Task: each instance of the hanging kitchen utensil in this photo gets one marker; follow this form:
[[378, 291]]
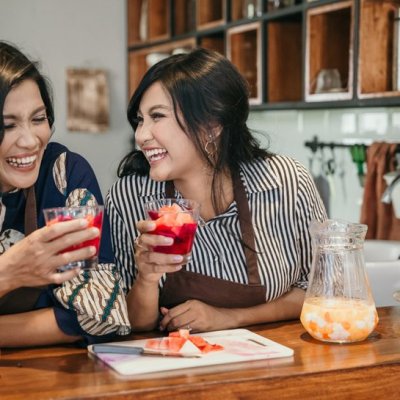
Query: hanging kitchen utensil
[[359, 157]]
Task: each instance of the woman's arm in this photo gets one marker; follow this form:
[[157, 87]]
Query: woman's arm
[[143, 299], [33, 328], [201, 317]]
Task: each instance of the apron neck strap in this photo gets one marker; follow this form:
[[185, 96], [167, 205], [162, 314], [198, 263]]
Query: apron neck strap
[[246, 225], [30, 211]]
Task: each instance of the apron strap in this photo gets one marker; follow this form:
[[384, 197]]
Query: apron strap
[[23, 299], [30, 211], [246, 226]]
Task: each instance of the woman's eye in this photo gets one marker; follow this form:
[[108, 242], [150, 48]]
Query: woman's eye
[[156, 116], [39, 119], [9, 126], [138, 120]]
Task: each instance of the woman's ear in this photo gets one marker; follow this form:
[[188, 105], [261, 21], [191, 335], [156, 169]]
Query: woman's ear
[[215, 131]]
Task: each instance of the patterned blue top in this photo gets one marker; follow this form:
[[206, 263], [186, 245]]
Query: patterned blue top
[[91, 305]]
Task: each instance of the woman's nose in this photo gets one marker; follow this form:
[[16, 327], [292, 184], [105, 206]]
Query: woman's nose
[[143, 133], [27, 136]]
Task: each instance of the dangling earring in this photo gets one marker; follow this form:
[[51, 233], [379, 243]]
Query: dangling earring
[[211, 149]]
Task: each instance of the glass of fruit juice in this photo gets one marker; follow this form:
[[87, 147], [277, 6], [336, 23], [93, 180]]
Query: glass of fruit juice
[[175, 218], [93, 214]]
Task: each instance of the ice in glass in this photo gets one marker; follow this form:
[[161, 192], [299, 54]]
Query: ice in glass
[[175, 218]]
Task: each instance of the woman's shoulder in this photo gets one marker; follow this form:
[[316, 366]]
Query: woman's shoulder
[[274, 164], [136, 185]]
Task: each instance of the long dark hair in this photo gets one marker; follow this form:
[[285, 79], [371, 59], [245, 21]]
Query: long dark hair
[[208, 91], [15, 67]]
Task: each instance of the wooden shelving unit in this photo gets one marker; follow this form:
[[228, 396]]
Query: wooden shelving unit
[[243, 48], [302, 54], [379, 49], [329, 50]]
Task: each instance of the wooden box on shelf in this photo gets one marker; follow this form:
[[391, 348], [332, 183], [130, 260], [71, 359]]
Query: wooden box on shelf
[[244, 50], [148, 20], [329, 52], [379, 56], [284, 59], [244, 9], [184, 16], [214, 41], [210, 13], [141, 60]]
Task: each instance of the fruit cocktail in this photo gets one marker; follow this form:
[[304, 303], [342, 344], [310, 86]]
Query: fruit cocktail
[[175, 218], [338, 320], [94, 216]]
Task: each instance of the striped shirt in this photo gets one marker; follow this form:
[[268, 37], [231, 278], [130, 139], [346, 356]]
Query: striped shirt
[[282, 199]]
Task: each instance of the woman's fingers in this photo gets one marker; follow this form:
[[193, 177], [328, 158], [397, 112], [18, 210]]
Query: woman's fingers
[[60, 277], [49, 233]]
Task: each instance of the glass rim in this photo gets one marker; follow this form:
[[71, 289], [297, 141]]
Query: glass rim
[[73, 208]]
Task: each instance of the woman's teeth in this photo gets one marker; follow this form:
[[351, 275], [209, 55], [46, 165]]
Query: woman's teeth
[[155, 154], [21, 162]]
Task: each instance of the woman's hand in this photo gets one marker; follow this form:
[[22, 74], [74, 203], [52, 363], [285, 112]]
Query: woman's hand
[[34, 261], [152, 265], [196, 316]]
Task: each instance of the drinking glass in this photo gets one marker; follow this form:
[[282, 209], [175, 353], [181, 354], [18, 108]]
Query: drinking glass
[[175, 218], [94, 216]]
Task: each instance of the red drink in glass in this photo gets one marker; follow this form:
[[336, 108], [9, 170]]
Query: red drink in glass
[[94, 216], [176, 219]]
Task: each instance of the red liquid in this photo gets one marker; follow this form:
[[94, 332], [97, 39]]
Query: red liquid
[[95, 221], [183, 236]]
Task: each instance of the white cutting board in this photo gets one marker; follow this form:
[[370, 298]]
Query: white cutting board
[[239, 345]]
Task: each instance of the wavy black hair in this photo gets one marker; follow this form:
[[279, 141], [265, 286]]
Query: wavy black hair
[[15, 67]]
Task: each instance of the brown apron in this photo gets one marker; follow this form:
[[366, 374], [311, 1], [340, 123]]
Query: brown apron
[[23, 299], [185, 285]]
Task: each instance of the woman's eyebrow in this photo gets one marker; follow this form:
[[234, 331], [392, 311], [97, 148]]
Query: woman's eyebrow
[[35, 111], [157, 106]]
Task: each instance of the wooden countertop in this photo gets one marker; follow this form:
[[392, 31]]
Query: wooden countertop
[[365, 370]]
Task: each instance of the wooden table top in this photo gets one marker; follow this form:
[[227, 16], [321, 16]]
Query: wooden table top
[[365, 370]]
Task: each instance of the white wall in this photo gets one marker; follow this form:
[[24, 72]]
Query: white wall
[[77, 33], [92, 33], [288, 130]]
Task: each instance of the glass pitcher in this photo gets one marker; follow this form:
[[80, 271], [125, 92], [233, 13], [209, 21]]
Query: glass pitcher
[[338, 305]]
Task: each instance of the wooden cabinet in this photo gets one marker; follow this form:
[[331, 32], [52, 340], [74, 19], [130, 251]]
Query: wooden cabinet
[[293, 53]]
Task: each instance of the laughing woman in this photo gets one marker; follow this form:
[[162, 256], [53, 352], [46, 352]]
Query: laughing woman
[[252, 251], [38, 304]]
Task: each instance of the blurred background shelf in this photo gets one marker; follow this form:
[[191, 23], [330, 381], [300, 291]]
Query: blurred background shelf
[[294, 53]]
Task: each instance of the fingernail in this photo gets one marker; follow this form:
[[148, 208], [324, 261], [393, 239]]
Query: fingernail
[[92, 250], [177, 258], [167, 240], [83, 222], [151, 226]]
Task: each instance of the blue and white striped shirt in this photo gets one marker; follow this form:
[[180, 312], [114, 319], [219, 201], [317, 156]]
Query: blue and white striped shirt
[[282, 199]]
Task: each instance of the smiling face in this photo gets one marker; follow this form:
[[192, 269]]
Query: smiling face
[[169, 151], [26, 134]]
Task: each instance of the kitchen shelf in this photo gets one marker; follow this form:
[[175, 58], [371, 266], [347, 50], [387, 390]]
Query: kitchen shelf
[[329, 50], [301, 55], [379, 49]]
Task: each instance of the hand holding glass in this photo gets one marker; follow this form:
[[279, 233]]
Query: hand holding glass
[[175, 218], [94, 216]]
